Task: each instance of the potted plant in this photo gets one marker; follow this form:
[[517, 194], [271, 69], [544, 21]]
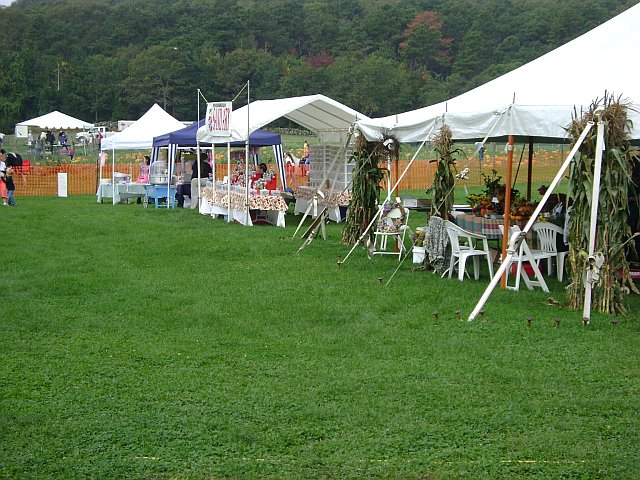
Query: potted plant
[[417, 238]]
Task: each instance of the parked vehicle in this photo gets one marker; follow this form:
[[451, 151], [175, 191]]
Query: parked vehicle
[[89, 137]]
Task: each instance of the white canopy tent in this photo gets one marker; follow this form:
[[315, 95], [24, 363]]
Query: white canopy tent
[[139, 135], [330, 120], [55, 121], [537, 99], [327, 118]]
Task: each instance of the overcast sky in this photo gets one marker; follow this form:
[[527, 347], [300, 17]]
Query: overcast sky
[[6, 2]]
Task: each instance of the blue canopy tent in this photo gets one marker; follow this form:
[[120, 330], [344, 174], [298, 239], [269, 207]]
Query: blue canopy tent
[[186, 137]]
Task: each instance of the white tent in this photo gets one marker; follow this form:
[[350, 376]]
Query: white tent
[[139, 135], [537, 99], [55, 121], [328, 119]]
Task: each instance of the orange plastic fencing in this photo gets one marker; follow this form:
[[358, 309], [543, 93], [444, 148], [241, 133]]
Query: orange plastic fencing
[[83, 179]]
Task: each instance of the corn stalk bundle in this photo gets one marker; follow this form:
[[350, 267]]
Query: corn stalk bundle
[[444, 177], [365, 187], [613, 231]]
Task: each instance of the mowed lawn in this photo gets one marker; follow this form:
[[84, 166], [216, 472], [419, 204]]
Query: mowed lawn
[[162, 344]]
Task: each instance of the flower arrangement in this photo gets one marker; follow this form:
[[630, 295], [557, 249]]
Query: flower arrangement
[[418, 237], [238, 176], [491, 200], [388, 224]]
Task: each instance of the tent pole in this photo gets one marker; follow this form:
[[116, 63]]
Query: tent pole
[[530, 169], [554, 184], [229, 182], [246, 163], [507, 206], [595, 199], [113, 176]]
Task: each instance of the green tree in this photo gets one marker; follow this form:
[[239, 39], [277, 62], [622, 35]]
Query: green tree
[[155, 75]]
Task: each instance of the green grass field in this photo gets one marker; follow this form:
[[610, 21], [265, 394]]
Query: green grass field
[[162, 344]]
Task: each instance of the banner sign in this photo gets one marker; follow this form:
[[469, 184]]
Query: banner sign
[[219, 118]]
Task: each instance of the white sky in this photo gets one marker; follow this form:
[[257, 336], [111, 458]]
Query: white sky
[[6, 2]]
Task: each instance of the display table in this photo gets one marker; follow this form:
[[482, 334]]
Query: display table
[[159, 191], [269, 203], [489, 227], [333, 201], [123, 191]]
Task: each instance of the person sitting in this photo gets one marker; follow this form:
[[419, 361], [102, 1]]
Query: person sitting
[[306, 153], [199, 177], [291, 163], [143, 176]]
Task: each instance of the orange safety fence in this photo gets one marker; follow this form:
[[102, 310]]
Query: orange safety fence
[[82, 179]]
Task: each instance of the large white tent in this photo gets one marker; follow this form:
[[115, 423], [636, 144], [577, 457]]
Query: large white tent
[[139, 135], [327, 118], [55, 121], [537, 99]]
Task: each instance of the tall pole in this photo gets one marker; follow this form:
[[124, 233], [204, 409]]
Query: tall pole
[[246, 160], [595, 199], [530, 169], [507, 206]]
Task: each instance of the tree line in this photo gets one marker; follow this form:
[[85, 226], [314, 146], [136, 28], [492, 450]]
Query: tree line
[[103, 60]]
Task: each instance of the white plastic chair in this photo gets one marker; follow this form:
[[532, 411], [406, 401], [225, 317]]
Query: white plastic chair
[[548, 234], [464, 247], [387, 229]]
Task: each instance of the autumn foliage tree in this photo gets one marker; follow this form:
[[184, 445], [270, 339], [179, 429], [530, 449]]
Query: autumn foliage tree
[[424, 46]]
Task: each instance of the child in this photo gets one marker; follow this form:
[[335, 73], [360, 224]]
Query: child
[[72, 150], [8, 180], [3, 167]]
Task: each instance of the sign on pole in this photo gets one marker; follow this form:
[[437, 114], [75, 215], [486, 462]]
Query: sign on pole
[[219, 118]]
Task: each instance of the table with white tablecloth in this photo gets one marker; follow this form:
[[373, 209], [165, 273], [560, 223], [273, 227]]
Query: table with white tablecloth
[[266, 205], [332, 200], [123, 191]]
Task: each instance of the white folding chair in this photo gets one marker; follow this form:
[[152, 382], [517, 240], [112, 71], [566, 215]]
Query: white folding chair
[[548, 235], [392, 225], [465, 245], [526, 254]]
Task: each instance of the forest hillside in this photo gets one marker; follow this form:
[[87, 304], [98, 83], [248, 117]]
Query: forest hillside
[[103, 60]]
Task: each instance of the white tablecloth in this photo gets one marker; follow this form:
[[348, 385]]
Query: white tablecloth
[[272, 208], [122, 191], [333, 202]]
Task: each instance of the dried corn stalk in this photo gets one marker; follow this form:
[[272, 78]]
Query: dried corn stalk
[[365, 187], [613, 231]]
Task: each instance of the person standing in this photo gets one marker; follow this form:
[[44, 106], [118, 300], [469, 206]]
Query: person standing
[[10, 186], [3, 185], [204, 172]]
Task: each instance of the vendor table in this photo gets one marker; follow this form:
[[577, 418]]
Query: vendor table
[[161, 191], [489, 227], [268, 202], [123, 191], [333, 201]]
